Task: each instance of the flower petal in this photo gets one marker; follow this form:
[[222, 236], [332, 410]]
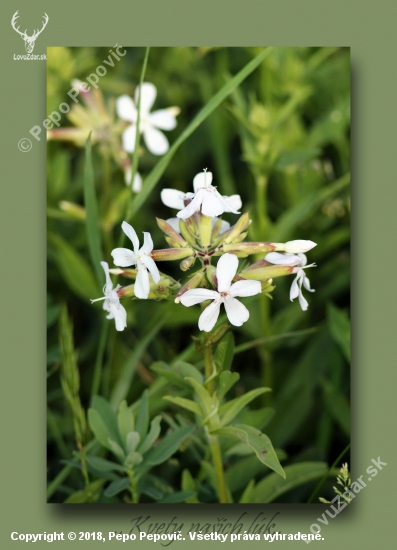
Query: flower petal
[[155, 140], [235, 200], [152, 267], [120, 316], [163, 119], [245, 288], [295, 289], [123, 257], [226, 269], [303, 302], [228, 205], [197, 295], [126, 109], [173, 198], [142, 284], [209, 317], [149, 93], [128, 138], [283, 259], [109, 285], [203, 179], [137, 184], [147, 246], [193, 206], [306, 284], [299, 246], [211, 205], [236, 312], [131, 234], [174, 223]]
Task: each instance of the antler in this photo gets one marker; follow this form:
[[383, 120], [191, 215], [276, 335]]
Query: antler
[[36, 33], [13, 23]]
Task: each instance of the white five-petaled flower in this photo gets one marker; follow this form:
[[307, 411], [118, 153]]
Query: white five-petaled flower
[[112, 301], [236, 312], [123, 257], [150, 124], [300, 261], [205, 196]]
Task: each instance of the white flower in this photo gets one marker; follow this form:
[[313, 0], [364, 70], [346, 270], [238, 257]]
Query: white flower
[[123, 257], [205, 196], [149, 123], [236, 312], [174, 223], [112, 301], [137, 184], [300, 262]]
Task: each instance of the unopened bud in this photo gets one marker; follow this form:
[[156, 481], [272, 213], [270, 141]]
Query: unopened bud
[[242, 250], [186, 232], [168, 254], [187, 263], [170, 231], [216, 227], [193, 282], [295, 247], [261, 271], [241, 225], [205, 228], [210, 272], [129, 273]]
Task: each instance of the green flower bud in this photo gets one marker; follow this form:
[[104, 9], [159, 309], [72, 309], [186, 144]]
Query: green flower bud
[[205, 228], [263, 270], [242, 250], [233, 233], [128, 273], [187, 263], [193, 282], [174, 236], [186, 232], [168, 254]]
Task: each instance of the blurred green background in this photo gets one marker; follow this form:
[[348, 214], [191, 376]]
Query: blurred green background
[[280, 140]]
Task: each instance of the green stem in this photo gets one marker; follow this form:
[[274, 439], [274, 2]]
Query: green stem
[[96, 379], [322, 480], [84, 470], [133, 489], [208, 362]]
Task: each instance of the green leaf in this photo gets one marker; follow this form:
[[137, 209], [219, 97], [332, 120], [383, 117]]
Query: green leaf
[[231, 409], [212, 104], [258, 418], [272, 486], [117, 486], [186, 369], [207, 403], [339, 326], [188, 404], [132, 441], [74, 269], [189, 484], [99, 428], [151, 437], [227, 380], [103, 465], [293, 157], [258, 441], [239, 474], [248, 494], [142, 423], [116, 449], [81, 497], [177, 373], [223, 356], [92, 219], [168, 446], [108, 415], [125, 421], [133, 459]]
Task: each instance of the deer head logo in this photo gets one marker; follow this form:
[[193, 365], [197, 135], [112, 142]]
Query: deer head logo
[[29, 40]]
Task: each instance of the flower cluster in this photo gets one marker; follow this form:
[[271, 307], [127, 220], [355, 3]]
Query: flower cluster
[[199, 234], [98, 119]]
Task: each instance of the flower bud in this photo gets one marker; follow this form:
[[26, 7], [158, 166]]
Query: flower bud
[[193, 282], [216, 227], [168, 254], [242, 250], [129, 273], [295, 247], [241, 225], [262, 271], [187, 263], [186, 232], [210, 272], [205, 228], [170, 231]]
